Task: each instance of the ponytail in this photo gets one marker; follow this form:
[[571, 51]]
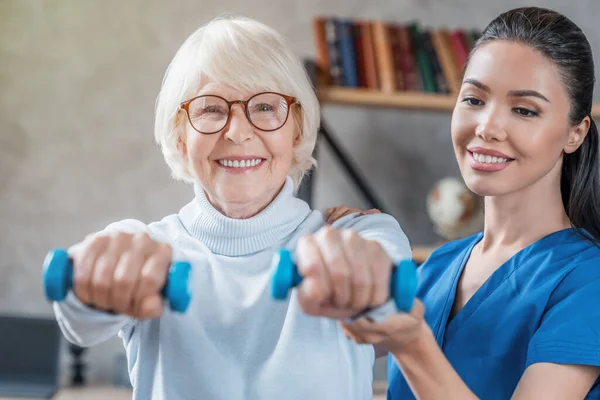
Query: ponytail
[[580, 186]]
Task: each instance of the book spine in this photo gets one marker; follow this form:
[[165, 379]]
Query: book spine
[[347, 53]]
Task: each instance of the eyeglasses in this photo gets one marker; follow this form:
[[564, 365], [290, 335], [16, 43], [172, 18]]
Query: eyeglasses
[[266, 111]]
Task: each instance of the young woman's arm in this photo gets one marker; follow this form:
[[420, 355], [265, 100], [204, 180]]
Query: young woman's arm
[[556, 381], [410, 341], [428, 372]]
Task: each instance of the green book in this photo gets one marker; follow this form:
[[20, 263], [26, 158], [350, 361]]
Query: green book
[[423, 63]]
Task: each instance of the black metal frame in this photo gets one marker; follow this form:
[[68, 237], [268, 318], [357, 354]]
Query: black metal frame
[[305, 191]]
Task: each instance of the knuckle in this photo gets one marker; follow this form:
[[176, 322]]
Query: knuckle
[[339, 275], [311, 267], [302, 242], [337, 261], [100, 284], [374, 246], [329, 233], [151, 279], [164, 250], [361, 281], [307, 305], [81, 281], [124, 282], [348, 235], [96, 241], [119, 236], [379, 296], [142, 239], [352, 238]]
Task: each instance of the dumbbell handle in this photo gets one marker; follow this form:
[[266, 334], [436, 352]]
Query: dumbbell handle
[[403, 280], [58, 280]]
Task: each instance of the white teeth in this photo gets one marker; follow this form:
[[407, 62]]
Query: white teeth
[[489, 159], [240, 163]]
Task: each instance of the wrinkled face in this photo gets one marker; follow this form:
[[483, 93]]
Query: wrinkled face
[[240, 164], [510, 125]]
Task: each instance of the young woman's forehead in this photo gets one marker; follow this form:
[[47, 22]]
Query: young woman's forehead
[[513, 66]]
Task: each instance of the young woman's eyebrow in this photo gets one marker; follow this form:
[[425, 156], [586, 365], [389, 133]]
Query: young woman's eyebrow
[[512, 93]]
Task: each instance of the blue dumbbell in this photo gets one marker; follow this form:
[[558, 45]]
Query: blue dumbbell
[[403, 282], [58, 280]]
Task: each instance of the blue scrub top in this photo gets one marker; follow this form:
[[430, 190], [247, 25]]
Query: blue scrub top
[[542, 305]]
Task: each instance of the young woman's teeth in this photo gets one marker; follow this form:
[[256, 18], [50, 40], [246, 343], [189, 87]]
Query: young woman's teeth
[[240, 163], [489, 159]]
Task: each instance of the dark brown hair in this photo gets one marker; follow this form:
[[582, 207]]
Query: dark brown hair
[[561, 41]]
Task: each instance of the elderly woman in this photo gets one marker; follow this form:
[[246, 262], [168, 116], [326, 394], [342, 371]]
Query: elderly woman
[[237, 118]]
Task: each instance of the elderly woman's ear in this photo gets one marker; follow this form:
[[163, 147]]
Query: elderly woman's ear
[[181, 147], [298, 121]]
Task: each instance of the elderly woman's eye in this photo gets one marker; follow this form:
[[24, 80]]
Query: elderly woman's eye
[[264, 107], [213, 110], [208, 112]]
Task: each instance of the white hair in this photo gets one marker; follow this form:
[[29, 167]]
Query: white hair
[[249, 56]]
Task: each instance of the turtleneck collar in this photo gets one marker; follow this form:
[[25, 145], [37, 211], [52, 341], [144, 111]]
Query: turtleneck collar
[[237, 237]]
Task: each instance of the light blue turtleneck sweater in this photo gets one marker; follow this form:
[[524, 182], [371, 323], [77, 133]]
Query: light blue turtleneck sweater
[[236, 342]]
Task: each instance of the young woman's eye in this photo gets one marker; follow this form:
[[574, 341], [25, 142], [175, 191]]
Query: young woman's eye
[[472, 101], [524, 112]]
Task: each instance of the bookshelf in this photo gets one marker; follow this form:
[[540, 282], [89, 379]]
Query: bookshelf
[[406, 100]]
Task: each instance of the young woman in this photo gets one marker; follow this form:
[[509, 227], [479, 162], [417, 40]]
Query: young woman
[[513, 311]]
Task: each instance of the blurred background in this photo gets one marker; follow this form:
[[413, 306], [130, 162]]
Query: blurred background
[[78, 82]]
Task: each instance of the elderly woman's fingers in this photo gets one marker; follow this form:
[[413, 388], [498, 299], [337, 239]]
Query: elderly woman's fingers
[[151, 307], [125, 283], [330, 244], [362, 275], [85, 256], [102, 276], [381, 266], [153, 274], [315, 289]]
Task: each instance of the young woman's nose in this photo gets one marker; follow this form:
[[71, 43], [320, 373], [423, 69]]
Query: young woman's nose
[[490, 126]]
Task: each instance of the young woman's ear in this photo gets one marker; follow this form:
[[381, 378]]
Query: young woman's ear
[[577, 135]]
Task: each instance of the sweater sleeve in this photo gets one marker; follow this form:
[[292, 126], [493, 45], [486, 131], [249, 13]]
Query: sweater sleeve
[[86, 326], [382, 228]]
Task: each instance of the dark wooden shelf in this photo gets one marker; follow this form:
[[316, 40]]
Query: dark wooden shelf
[[407, 100]]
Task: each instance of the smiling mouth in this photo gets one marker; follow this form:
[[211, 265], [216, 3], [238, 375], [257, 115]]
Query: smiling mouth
[[241, 163], [489, 159]]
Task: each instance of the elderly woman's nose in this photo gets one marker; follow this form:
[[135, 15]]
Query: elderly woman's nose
[[239, 128]]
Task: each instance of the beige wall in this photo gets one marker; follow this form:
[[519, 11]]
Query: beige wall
[[78, 81]]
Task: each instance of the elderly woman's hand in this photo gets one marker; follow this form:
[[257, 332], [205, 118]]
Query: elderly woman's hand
[[332, 214], [343, 274], [121, 272], [392, 335]]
